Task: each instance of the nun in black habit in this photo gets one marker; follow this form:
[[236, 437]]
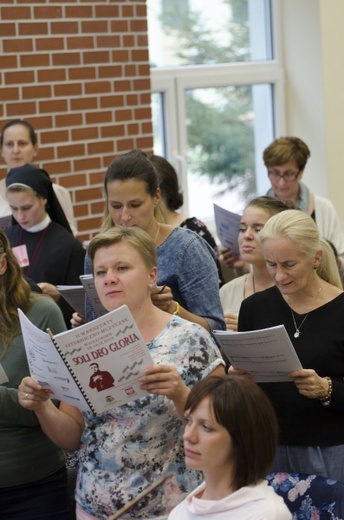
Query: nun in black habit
[[40, 236]]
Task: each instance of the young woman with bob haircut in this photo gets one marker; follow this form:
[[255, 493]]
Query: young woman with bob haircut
[[231, 436]]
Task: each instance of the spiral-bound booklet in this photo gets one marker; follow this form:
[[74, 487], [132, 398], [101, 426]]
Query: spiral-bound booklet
[[95, 366]]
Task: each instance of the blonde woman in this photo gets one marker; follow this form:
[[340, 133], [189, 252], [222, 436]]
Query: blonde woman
[[126, 449], [307, 297]]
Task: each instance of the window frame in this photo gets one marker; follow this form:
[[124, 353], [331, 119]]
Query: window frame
[[171, 83]]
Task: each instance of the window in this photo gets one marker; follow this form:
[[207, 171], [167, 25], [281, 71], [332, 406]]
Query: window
[[218, 90]]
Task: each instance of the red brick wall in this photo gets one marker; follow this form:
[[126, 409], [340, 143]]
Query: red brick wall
[[79, 73]]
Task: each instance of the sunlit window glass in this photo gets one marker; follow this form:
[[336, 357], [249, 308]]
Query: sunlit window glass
[[213, 77], [222, 130], [193, 32]]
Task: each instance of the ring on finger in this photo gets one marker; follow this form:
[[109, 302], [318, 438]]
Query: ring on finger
[[26, 396]]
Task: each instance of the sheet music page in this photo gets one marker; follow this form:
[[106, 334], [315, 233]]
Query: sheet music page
[[267, 354], [47, 367]]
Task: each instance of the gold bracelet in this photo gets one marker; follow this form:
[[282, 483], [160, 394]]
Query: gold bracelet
[[325, 401], [177, 311]]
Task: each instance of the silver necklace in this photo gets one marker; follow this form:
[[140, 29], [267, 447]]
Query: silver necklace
[[297, 328]]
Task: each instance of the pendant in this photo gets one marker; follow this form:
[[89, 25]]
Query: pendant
[[297, 334]]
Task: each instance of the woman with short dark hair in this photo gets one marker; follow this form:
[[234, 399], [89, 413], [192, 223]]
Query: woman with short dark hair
[[231, 436], [285, 159]]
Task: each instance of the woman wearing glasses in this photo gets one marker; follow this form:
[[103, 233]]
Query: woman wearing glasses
[[285, 159]]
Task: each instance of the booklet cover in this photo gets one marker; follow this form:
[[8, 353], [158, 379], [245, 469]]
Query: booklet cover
[[94, 367], [267, 354]]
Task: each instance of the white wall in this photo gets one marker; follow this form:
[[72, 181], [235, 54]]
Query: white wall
[[301, 50], [312, 43], [332, 37]]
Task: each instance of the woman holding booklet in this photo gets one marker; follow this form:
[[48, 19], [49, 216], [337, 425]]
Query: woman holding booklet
[[33, 481], [128, 448], [308, 299], [254, 217], [187, 282]]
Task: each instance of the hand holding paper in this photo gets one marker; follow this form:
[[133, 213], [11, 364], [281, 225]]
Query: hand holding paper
[[267, 354]]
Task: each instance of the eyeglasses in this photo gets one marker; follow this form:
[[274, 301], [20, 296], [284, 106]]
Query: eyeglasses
[[287, 176]]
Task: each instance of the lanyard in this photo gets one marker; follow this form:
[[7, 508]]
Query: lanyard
[[39, 243]]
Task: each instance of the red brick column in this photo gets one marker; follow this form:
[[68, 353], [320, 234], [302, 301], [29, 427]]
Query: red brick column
[[79, 73]]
